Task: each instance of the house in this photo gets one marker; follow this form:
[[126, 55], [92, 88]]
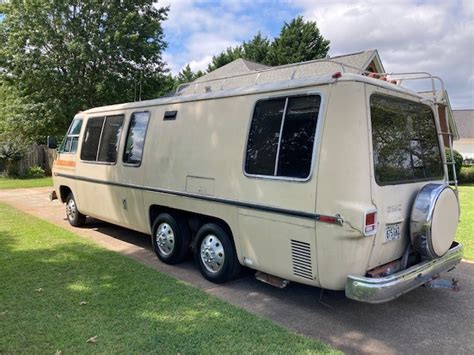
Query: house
[[465, 124], [241, 73]]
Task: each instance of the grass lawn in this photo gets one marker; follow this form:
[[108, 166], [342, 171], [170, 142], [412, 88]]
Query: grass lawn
[[58, 290], [465, 233], [6, 183]]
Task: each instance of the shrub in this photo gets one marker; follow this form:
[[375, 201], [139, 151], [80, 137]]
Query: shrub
[[467, 175], [458, 159], [35, 172]]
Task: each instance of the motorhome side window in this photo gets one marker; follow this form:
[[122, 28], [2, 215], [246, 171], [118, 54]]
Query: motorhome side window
[[281, 137], [72, 137], [101, 139], [405, 141], [136, 138]]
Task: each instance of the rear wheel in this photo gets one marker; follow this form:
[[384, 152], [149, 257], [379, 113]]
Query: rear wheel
[[171, 238], [215, 254], [73, 215]]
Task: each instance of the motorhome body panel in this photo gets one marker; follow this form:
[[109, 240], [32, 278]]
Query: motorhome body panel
[[343, 186], [394, 200], [196, 161]]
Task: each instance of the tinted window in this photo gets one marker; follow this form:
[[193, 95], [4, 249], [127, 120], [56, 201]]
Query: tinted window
[[405, 141], [136, 138], [289, 155], [110, 138], [91, 138], [263, 138], [69, 144], [296, 148]]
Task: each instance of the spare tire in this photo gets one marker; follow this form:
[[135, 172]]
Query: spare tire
[[434, 218]]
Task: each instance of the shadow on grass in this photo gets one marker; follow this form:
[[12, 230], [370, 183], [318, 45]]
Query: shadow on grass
[[56, 294]]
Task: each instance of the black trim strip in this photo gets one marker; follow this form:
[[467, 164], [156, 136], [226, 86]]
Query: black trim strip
[[293, 213]]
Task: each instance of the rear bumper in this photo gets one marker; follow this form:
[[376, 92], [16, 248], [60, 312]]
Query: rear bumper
[[378, 290]]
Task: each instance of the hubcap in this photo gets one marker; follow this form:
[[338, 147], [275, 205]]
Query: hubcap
[[165, 239], [212, 253], [71, 209]]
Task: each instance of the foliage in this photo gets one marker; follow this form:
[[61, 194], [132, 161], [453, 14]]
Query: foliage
[[466, 175], [458, 159], [59, 290], [298, 41], [35, 172], [58, 58], [465, 229], [187, 75]]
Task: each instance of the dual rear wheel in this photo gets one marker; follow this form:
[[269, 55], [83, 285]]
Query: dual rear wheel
[[214, 251]]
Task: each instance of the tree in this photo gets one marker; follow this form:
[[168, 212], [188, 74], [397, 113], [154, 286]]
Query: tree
[[299, 41], [186, 75], [229, 55], [61, 57], [257, 49]]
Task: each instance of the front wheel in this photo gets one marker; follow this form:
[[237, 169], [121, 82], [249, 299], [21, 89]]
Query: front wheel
[[75, 218], [215, 254]]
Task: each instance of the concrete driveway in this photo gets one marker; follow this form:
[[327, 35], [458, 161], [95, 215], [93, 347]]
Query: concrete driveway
[[422, 321]]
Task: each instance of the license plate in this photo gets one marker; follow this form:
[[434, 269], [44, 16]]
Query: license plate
[[392, 232]]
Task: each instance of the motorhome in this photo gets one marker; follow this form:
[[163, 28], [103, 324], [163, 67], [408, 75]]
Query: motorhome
[[338, 181]]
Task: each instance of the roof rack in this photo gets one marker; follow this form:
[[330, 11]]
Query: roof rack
[[399, 77]]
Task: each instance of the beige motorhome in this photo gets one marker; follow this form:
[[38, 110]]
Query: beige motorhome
[[337, 181]]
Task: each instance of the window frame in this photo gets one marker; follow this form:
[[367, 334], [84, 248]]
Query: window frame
[[404, 181], [72, 136], [132, 165], [317, 134], [100, 141]]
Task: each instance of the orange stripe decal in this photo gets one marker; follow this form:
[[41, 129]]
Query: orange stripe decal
[[65, 163]]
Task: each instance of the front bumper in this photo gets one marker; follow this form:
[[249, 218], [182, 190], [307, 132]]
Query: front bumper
[[383, 289]]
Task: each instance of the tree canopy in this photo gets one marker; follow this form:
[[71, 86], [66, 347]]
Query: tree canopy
[[61, 57], [298, 41]]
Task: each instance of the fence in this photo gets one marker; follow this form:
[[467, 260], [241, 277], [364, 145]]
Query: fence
[[36, 155]]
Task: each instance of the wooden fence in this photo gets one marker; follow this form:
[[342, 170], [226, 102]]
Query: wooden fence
[[36, 155]]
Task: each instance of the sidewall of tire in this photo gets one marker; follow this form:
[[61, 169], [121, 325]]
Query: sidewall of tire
[[182, 238], [231, 266], [79, 218]]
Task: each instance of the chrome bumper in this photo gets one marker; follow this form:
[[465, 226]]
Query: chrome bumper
[[378, 290]]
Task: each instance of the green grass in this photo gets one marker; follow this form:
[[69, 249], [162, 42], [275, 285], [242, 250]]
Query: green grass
[[7, 183], [465, 233], [46, 272]]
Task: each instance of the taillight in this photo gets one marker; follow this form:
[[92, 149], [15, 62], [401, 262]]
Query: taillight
[[370, 223]]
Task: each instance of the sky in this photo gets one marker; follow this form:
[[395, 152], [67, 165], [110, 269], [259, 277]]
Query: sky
[[410, 35]]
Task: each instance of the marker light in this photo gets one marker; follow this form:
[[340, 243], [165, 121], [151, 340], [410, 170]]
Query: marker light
[[370, 225]]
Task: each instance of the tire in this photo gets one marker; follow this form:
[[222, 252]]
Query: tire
[[171, 238], [215, 254], [75, 218]]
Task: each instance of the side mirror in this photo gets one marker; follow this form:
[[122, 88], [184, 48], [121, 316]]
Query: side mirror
[[52, 142]]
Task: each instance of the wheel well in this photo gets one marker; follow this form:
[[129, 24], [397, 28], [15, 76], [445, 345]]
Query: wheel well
[[63, 192], [194, 220]]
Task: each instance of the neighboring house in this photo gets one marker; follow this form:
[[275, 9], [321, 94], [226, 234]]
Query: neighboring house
[[241, 73], [465, 123]]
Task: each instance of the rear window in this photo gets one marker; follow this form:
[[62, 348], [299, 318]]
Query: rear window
[[405, 141]]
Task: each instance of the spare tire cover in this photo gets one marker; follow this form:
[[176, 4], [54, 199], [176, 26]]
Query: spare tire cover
[[434, 218]]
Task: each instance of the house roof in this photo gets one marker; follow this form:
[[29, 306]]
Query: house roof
[[242, 72], [465, 122]]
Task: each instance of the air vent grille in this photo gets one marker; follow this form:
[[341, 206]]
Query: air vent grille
[[301, 258]]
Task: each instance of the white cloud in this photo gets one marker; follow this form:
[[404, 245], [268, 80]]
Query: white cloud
[[411, 36], [204, 29]]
